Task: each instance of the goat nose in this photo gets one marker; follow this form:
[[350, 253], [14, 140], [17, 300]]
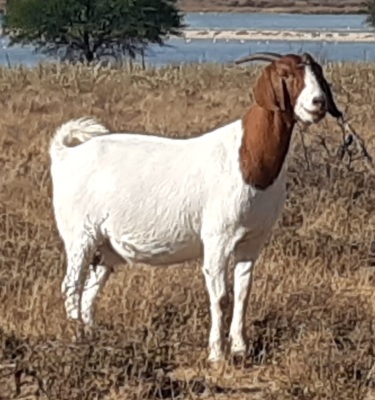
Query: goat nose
[[319, 101]]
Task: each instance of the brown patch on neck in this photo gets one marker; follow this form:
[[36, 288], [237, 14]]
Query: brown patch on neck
[[265, 144]]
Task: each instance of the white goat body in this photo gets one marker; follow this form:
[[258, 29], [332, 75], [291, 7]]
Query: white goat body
[[154, 199], [157, 200]]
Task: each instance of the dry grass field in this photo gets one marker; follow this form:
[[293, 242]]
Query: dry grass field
[[312, 305]]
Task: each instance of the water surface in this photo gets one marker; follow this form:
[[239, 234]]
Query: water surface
[[178, 51], [275, 21]]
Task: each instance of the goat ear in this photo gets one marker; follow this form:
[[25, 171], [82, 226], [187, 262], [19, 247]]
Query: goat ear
[[270, 90], [331, 105]]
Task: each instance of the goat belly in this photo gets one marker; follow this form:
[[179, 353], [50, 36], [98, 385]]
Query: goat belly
[[153, 248], [159, 228]]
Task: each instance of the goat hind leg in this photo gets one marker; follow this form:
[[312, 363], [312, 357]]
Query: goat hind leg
[[78, 257], [97, 277]]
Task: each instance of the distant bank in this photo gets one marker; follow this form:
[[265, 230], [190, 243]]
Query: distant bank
[[274, 6], [266, 6], [279, 35]]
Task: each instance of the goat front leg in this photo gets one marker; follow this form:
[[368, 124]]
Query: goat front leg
[[242, 287], [214, 269], [96, 279]]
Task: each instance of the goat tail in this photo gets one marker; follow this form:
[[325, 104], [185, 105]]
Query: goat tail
[[76, 132]]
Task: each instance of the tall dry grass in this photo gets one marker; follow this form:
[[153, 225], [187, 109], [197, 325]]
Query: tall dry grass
[[311, 308]]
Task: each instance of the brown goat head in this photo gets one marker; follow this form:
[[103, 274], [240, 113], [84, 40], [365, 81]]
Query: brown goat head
[[293, 83]]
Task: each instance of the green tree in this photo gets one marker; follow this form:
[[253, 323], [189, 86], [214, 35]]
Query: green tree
[[90, 29], [368, 8]]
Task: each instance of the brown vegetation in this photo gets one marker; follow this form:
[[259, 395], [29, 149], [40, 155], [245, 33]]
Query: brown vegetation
[[285, 6], [312, 305]]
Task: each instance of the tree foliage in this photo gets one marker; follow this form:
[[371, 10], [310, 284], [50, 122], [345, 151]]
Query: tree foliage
[[368, 8], [90, 29]]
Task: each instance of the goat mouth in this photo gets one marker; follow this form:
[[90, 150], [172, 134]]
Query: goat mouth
[[316, 114]]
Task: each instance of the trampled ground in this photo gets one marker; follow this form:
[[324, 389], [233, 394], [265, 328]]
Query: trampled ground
[[312, 305]]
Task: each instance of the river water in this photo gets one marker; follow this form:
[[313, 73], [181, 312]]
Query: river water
[[275, 21], [178, 51]]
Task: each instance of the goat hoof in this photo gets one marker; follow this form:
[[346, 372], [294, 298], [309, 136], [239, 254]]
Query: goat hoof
[[87, 320], [238, 347], [73, 315], [216, 366], [215, 357]]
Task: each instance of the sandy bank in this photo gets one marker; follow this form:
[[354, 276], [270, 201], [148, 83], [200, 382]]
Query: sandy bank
[[337, 36]]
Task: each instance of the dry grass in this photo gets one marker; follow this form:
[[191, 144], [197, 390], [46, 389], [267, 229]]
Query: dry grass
[[311, 308]]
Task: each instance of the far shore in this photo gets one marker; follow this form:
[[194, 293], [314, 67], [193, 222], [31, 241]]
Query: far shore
[[278, 35], [278, 10], [300, 7], [274, 6], [269, 10]]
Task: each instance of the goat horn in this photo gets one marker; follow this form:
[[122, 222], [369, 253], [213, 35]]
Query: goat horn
[[264, 56]]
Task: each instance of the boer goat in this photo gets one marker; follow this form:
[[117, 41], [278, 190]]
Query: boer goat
[[143, 198]]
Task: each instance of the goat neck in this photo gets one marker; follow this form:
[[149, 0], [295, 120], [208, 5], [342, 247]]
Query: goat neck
[[265, 144]]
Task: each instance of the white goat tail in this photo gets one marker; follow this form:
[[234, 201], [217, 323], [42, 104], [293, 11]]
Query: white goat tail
[[76, 132]]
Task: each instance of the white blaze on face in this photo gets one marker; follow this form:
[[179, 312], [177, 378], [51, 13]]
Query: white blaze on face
[[307, 107]]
